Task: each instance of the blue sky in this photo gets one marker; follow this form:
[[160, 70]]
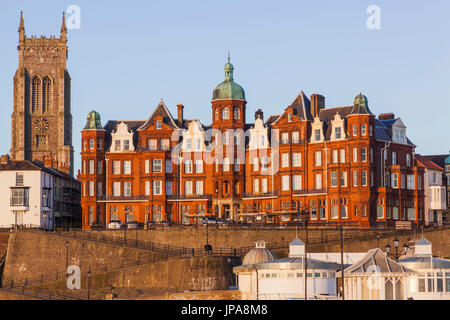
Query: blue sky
[[129, 54]]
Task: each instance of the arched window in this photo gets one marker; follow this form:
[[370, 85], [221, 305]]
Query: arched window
[[114, 216], [236, 113], [129, 217], [36, 94], [226, 186], [226, 113], [46, 94], [216, 116]]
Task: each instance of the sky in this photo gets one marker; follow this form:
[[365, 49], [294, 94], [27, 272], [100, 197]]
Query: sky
[[127, 55]]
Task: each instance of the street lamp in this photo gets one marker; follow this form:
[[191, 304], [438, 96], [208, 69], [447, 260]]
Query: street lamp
[[405, 248], [67, 255], [89, 284], [396, 248], [388, 248]]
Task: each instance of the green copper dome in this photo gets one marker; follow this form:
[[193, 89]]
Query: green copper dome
[[228, 89], [447, 160], [360, 105], [93, 121]]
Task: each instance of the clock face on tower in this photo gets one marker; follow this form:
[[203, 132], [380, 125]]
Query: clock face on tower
[[41, 124]]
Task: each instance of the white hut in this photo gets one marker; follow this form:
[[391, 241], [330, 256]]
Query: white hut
[[376, 277], [432, 281], [285, 278]]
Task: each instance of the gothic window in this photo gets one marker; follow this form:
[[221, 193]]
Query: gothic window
[[36, 94], [41, 141], [46, 94], [236, 113], [226, 113]]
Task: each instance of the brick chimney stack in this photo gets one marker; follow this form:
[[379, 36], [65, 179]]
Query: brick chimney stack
[[386, 116], [317, 104], [48, 161], [180, 114], [4, 159]]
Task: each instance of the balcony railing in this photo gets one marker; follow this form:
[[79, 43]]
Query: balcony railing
[[19, 202], [155, 148], [296, 141], [125, 198], [260, 195], [189, 197], [309, 191]]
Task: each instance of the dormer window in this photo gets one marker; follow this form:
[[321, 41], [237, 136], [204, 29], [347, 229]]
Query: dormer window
[[226, 113], [338, 133], [289, 116], [122, 139], [126, 145], [158, 124], [317, 134]]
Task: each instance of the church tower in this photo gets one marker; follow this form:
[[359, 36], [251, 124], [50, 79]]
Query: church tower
[[41, 123]]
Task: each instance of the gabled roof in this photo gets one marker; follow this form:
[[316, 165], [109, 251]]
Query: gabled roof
[[132, 125], [20, 165], [25, 165], [427, 163], [423, 242], [438, 159], [297, 242], [328, 114], [272, 119], [376, 261], [302, 106], [162, 111]]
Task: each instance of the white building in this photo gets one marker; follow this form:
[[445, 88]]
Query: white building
[[263, 277], [435, 191], [376, 277], [432, 281], [27, 195]]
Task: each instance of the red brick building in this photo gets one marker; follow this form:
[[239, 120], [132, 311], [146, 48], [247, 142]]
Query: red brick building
[[338, 164]]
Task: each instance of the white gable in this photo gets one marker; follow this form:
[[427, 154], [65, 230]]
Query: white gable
[[122, 139]]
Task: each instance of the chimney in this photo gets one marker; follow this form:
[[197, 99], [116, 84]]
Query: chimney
[[4, 159], [259, 114], [180, 114], [317, 104], [48, 161], [386, 116]]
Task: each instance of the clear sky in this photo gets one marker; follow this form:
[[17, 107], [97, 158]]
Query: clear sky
[[127, 55]]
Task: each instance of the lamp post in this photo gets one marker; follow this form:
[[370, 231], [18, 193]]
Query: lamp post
[[67, 255], [396, 248], [89, 284], [405, 248], [396, 242], [44, 218]]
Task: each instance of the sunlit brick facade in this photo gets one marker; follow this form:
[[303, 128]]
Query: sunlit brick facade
[[325, 164]]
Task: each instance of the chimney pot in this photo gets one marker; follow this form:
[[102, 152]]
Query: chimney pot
[[180, 114]]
